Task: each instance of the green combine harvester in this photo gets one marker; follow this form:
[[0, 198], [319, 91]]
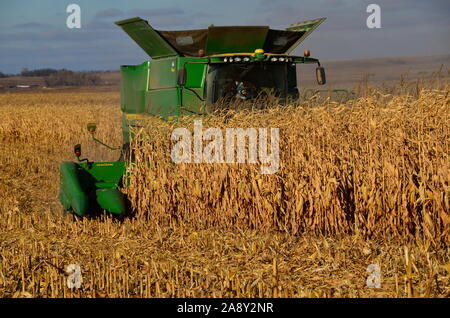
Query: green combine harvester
[[189, 72]]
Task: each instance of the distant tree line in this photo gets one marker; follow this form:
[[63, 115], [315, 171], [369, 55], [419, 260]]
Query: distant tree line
[[38, 72], [70, 78], [2, 75], [62, 77], [53, 77]]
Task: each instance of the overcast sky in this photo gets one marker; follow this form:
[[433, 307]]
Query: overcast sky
[[34, 34]]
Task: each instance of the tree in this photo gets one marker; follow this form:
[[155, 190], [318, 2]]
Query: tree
[[24, 71]]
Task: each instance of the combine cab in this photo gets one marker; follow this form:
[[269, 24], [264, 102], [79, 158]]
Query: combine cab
[[190, 72]]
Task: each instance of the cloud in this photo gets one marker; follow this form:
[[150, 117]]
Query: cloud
[[202, 19], [171, 22], [156, 12], [100, 25], [32, 25], [416, 5], [109, 13], [203, 14], [168, 18], [56, 37]]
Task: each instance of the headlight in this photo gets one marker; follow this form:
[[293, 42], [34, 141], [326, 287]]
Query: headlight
[[237, 59], [274, 59], [225, 59], [246, 59]]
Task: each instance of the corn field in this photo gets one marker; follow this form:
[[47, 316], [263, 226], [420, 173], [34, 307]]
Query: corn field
[[363, 182], [377, 166]]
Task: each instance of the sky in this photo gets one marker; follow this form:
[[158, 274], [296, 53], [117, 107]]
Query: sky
[[34, 34]]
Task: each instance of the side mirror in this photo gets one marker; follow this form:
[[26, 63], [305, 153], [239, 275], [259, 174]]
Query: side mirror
[[91, 127], [182, 75], [77, 150], [320, 75]]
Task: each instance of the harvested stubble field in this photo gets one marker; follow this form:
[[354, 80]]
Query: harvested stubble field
[[366, 182]]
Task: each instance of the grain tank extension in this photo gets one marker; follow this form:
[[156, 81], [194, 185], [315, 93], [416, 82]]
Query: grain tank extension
[[189, 73]]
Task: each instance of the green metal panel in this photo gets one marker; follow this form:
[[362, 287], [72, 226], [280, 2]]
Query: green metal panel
[[134, 83], [242, 39], [162, 97], [106, 174], [79, 183], [163, 73], [64, 199], [163, 103], [193, 93], [305, 26], [72, 191], [196, 72], [147, 38], [191, 103], [111, 200]]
